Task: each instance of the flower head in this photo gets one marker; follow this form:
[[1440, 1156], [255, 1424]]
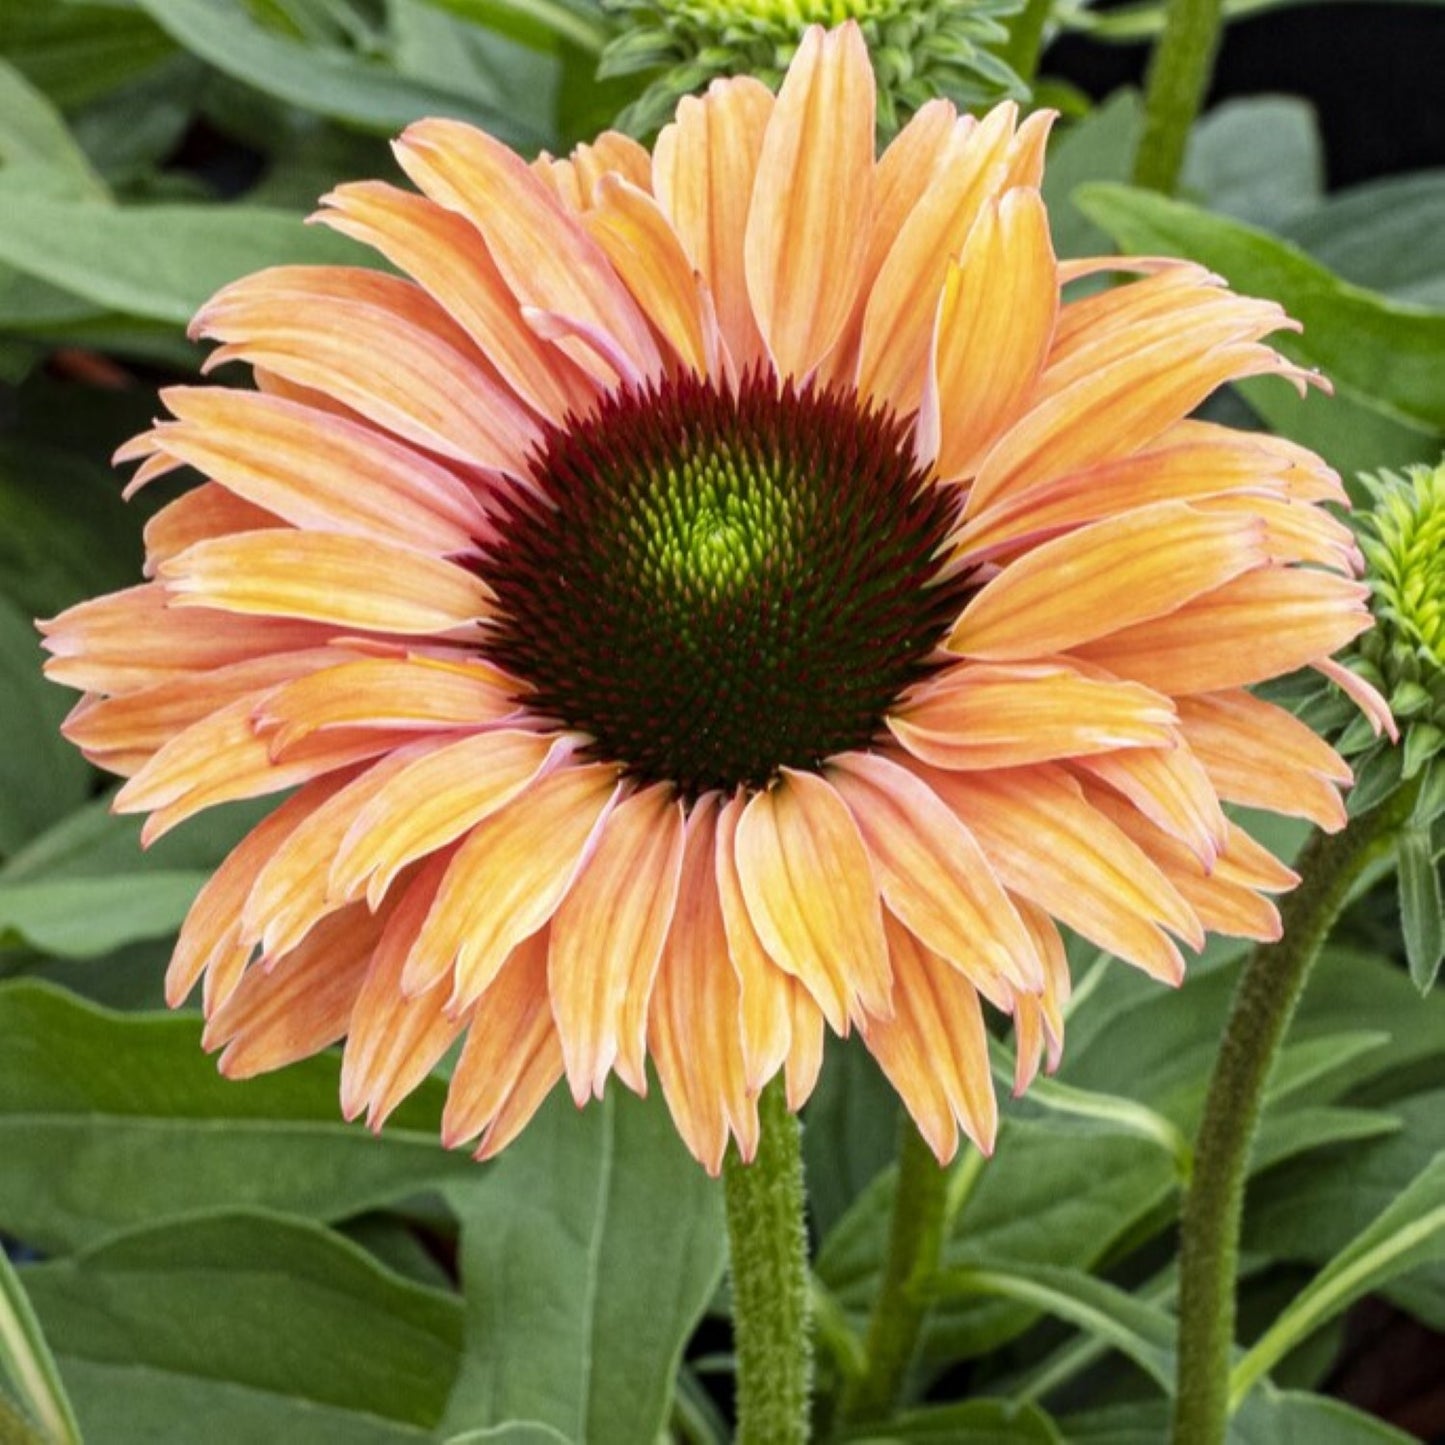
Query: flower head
[[718, 594]]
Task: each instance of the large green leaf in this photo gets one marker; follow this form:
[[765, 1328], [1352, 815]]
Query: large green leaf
[[33, 131], [1098, 148], [1259, 160], [160, 262], [278, 1314], [979, 1422], [1422, 905], [331, 82], [1377, 349], [588, 1255], [109, 1120]]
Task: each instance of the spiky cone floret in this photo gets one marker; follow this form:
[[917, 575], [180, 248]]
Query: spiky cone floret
[[715, 596]]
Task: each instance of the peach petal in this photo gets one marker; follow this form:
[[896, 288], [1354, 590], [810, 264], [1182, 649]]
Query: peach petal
[[807, 231], [432, 802], [324, 577], [805, 1052], [1364, 695], [575, 180], [546, 258], [1258, 626], [1007, 715], [1105, 577], [694, 1029], [934, 1049], [440, 250], [1050, 1004], [503, 884], [207, 511], [810, 892], [934, 877], [607, 940]]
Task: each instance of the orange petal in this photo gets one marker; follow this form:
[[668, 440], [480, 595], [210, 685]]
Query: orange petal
[[767, 992], [934, 1049], [934, 877], [1296, 532], [546, 258], [1261, 625], [325, 577], [576, 179], [508, 879], [607, 940], [511, 1057], [703, 169], [1365, 696], [1049, 1005], [382, 347], [805, 1052], [1047, 844], [433, 801], [646, 253], [318, 471], [195, 516], [394, 1040], [810, 892], [694, 1029], [1262, 756], [807, 231], [1102, 578], [992, 330], [995, 715], [440, 250]]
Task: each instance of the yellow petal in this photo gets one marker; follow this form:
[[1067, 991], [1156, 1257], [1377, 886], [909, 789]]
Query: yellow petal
[[934, 877], [811, 895], [195, 516], [805, 1052], [807, 230], [607, 939], [324, 577], [1105, 577]]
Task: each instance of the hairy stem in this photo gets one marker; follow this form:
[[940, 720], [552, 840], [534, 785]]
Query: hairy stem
[[1179, 71]]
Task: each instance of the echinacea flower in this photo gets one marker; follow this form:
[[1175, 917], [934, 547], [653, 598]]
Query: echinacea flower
[[722, 592]]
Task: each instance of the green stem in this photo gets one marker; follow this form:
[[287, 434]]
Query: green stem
[[1026, 39], [1174, 90], [915, 1246], [1264, 1002], [772, 1324]]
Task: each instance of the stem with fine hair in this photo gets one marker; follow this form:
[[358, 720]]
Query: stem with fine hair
[[768, 1240], [1264, 1002], [1179, 71], [915, 1245]]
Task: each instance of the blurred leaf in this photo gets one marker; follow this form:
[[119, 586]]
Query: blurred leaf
[[31, 129], [65, 533], [1143, 1332], [1388, 235], [26, 1360], [1259, 160], [1376, 349], [330, 82], [979, 1422], [589, 1252], [89, 917], [1098, 148], [42, 777], [1422, 906], [109, 1120], [75, 52], [541, 24], [282, 1308], [133, 128], [1286, 1134], [514, 1432], [158, 261], [1144, 19], [1410, 1232]]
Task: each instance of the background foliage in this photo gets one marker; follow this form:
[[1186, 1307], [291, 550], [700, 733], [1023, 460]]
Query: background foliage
[[193, 1249]]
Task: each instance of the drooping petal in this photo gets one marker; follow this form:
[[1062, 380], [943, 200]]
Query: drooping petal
[[810, 892], [934, 1049], [607, 940], [807, 231], [207, 511]]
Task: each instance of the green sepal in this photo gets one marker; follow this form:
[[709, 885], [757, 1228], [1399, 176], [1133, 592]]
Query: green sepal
[[1422, 742], [1377, 775], [1422, 906], [1431, 802]]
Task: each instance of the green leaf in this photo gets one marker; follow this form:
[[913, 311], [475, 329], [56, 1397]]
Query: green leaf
[[159, 262], [588, 1254], [280, 1306], [32, 130], [1098, 148], [1408, 1233], [1388, 235], [1259, 160], [1374, 348], [90, 917], [514, 1432], [330, 82], [42, 777], [1286, 1134], [539, 23], [26, 1360], [1422, 906], [146, 1128], [979, 1422], [1143, 1332]]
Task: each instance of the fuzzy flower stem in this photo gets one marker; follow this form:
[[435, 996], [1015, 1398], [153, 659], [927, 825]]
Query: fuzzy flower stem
[[915, 1245], [1178, 78], [1264, 1002], [772, 1321]]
